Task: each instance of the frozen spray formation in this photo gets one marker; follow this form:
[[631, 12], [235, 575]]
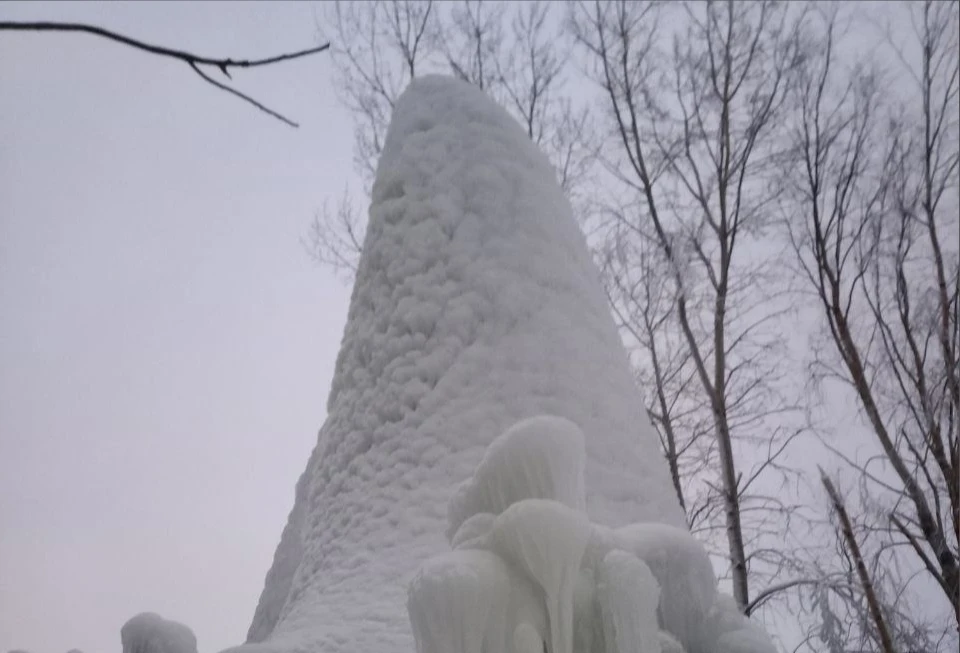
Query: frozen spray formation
[[532, 574], [476, 307]]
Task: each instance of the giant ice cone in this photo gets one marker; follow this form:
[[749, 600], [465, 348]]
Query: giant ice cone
[[476, 305]]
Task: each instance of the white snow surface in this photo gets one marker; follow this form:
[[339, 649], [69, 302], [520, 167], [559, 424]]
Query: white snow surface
[[148, 632], [476, 305]]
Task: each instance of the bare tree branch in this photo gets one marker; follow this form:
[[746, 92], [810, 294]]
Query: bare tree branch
[[886, 641], [193, 60]]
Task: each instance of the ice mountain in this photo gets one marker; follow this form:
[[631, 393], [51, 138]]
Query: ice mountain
[[476, 306]]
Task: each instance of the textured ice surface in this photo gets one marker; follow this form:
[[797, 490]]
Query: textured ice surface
[[681, 566], [453, 598], [474, 532], [688, 584], [537, 458], [476, 305], [527, 640], [726, 630], [669, 643], [474, 602], [628, 595], [546, 540], [150, 633]]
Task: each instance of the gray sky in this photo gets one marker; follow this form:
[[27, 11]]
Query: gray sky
[[166, 346]]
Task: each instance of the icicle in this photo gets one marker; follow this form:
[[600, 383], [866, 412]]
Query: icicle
[[472, 601], [628, 595], [451, 599], [546, 540], [587, 620]]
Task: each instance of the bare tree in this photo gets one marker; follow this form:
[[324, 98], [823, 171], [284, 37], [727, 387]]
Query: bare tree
[[334, 239], [637, 282], [194, 61], [856, 596], [863, 575], [513, 51], [378, 47], [693, 120], [472, 41], [875, 227], [531, 73]]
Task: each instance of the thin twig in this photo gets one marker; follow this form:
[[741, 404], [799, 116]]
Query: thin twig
[[240, 95], [191, 59]]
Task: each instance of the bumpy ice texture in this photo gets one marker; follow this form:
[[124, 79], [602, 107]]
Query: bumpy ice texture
[[150, 633], [476, 305], [642, 588]]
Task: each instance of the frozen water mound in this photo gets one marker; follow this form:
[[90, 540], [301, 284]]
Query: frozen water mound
[[476, 306], [150, 633], [530, 573]]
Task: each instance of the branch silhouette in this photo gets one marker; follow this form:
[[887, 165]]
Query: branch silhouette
[[193, 60]]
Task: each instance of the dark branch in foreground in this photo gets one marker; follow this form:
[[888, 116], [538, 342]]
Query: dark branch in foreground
[[192, 60]]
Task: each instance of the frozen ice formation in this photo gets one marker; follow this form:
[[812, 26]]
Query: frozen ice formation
[[476, 306], [725, 630], [688, 586], [628, 596], [472, 601], [586, 588], [150, 633], [546, 454], [545, 540]]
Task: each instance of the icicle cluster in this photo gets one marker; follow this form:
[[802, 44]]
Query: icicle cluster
[[528, 572]]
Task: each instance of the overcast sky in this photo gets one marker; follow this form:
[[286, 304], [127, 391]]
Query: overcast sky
[[166, 345]]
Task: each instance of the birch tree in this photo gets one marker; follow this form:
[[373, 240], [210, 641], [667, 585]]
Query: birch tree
[[875, 229], [692, 114]]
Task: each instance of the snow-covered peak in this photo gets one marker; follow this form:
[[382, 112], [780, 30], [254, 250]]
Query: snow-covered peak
[[476, 306]]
